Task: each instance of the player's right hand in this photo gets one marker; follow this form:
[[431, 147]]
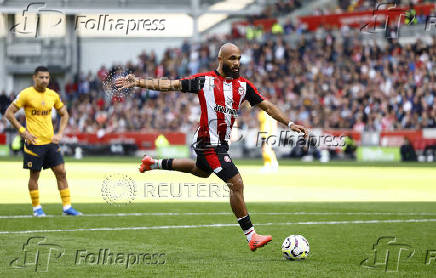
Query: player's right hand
[[126, 82], [300, 129], [28, 138]]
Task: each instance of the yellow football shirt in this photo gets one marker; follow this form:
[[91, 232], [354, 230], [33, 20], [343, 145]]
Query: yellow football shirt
[[267, 123], [38, 107]]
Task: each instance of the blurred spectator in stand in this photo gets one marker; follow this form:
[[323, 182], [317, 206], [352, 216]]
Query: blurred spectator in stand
[[4, 102], [71, 89], [407, 151]]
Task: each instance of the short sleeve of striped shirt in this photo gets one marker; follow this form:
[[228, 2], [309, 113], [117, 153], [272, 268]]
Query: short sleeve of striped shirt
[[252, 95], [192, 84]]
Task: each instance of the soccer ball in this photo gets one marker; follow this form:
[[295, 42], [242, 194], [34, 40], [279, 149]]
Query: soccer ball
[[295, 247]]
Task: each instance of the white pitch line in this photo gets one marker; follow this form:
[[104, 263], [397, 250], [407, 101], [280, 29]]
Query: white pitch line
[[222, 225], [225, 213]]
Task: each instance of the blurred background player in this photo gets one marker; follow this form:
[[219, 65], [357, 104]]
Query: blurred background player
[[267, 127], [41, 149]]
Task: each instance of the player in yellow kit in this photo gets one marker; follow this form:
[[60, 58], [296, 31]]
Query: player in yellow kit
[[41, 149], [268, 127]]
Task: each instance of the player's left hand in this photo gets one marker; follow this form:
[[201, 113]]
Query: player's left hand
[[126, 82], [300, 129], [56, 138]]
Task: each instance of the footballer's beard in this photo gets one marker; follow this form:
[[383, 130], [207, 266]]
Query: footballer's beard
[[41, 87], [229, 72]]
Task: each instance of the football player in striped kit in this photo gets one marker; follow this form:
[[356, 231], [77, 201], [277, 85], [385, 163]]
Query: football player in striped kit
[[220, 94]]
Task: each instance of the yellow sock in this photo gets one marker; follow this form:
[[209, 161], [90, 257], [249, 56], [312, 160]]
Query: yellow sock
[[65, 196], [266, 154], [34, 195]]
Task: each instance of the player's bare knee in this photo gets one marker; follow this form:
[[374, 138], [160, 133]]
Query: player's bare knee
[[34, 175], [236, 184], [61, 174], [33, 180]]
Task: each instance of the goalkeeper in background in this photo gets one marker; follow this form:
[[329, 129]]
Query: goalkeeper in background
[[268, 127]]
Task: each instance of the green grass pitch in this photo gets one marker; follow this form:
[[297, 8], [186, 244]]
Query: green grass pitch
[[342, 209]]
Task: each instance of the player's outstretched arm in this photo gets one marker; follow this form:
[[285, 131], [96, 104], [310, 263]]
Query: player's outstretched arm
[[279, 116], [10, 115], [157, 84]]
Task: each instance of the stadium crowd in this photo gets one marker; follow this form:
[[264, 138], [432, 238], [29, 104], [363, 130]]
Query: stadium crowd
[[326, 81], [319, 83]]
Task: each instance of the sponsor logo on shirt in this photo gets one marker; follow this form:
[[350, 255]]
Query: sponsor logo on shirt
[[41, 112], [226, 110]]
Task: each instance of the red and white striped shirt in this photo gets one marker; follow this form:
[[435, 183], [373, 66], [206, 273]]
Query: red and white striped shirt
[[220, 100]]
